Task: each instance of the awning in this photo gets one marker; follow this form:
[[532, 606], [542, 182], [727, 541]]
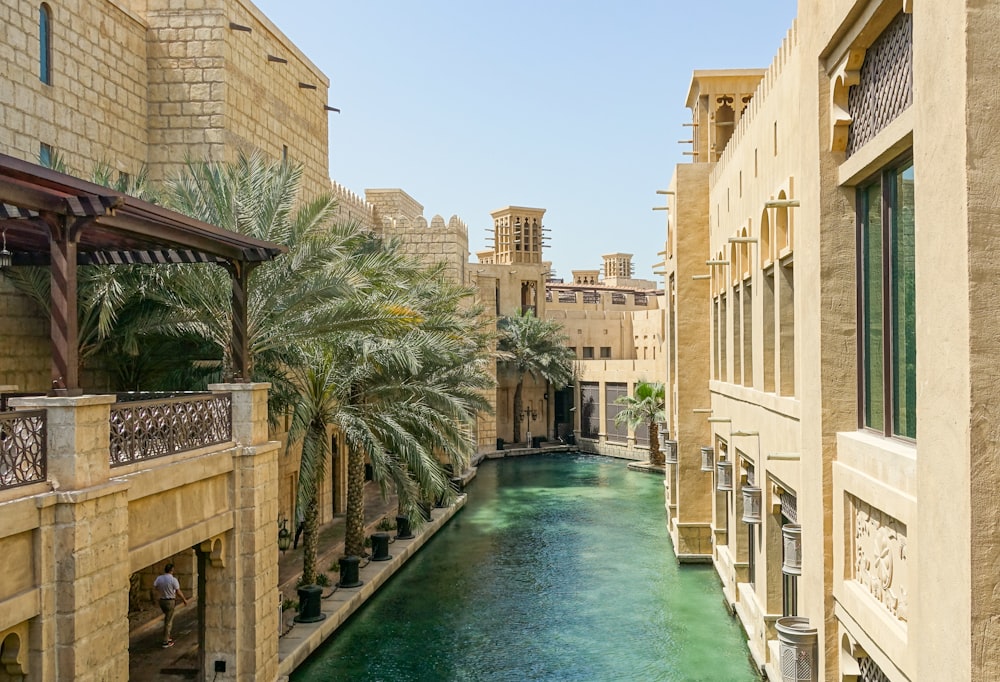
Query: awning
[[56, 220]]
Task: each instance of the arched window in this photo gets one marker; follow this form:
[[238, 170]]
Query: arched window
[[45, 44]]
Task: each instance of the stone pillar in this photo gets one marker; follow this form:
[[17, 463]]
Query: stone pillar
[[87, 535], [241, 567]]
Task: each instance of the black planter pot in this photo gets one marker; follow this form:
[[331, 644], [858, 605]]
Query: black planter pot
[[349, 567], [309, 604], [403, 531], [380, 547]]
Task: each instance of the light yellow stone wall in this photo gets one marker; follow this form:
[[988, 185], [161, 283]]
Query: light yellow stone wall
[[878, 514], [95, 108], [68, 545]]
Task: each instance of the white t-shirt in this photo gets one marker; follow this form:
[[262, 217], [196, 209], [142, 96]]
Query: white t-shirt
[[167, 586]]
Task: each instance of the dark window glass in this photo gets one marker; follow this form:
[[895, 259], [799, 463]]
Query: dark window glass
[[45, 44], [888, 303]]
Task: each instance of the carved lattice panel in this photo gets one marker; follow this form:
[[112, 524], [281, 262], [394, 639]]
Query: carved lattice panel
[[155, 428], [870, 672], [880, 557], [885, 88], [22, 448]]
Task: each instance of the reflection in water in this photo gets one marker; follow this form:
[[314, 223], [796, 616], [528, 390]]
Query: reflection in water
[[559, 568]]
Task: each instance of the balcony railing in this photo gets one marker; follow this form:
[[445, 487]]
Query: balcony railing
[[144, 428], [22, 448]]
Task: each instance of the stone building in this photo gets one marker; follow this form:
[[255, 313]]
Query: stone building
[[830, 278]]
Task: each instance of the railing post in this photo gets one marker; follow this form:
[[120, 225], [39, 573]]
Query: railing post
[[78, 438], [240, 595], [84, 591]]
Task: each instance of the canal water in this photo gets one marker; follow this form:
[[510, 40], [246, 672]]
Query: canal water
[[558, 568]]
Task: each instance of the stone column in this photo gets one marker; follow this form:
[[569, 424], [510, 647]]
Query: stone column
[[86, 535], [241, 580]]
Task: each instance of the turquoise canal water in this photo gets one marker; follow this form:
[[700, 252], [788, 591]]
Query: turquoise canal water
[[559, 568]]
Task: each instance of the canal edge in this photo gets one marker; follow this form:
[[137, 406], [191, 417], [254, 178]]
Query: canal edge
[[305, 638]]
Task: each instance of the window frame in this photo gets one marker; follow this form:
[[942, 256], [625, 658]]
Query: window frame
[[885, 179], [45, 43]]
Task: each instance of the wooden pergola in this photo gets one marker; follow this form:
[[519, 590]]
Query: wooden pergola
[[53, 219]]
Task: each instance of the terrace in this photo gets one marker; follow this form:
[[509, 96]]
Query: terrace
[[122, 482]]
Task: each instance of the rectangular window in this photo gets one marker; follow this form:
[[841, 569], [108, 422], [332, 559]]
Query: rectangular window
[[887, 298], [45, 155], [588, 352], [616, 433], [605, 352], [590, 409]]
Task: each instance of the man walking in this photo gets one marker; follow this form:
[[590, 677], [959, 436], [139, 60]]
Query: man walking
[[169, 590]]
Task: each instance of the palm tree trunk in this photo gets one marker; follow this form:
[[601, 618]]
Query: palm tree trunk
[[310, 540], [655, 455], [354, 534], [518, 409]]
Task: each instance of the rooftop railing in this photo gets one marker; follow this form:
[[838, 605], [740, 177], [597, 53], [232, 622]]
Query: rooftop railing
[[22, 448], [145, 426]]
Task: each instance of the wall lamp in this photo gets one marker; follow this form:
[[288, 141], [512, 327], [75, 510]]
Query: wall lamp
[[782, 203], [6, 257]]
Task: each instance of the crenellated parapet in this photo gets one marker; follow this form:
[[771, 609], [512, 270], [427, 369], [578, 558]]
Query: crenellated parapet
[[759, 97], [352, 206]]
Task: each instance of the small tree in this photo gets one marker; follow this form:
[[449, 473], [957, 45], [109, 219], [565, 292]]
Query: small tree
[[531, 345], [646, 406]]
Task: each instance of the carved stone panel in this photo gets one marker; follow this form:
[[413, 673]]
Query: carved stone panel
[[879, 557]]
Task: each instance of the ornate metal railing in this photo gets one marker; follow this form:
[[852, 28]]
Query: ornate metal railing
[[143, 429], [22, 448]]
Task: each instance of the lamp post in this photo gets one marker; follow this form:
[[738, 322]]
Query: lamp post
[[530, 414], [6, 257]]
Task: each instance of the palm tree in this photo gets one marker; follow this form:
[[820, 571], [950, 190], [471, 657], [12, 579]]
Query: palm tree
[[647, 406], [410, 400], [529, 345]]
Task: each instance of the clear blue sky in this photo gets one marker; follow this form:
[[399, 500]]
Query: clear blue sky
[[574, 106]]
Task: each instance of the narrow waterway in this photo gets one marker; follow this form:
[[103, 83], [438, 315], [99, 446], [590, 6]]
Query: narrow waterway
[[558, 568]]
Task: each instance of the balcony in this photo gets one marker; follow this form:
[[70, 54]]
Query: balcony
[[670, 451], [707, 458], [751, 504], [145, 426], [141, 426], [724, 482]]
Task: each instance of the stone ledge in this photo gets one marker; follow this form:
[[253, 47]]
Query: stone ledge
[[295, 647]]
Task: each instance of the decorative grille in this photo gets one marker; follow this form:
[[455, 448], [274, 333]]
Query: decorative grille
[[640, 299], [617, 298], [788, 502], [616, 433], [22, 448], [870, 672], [591, 297], [885, 88], [590, 408], [567, 297], [144, 429]]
